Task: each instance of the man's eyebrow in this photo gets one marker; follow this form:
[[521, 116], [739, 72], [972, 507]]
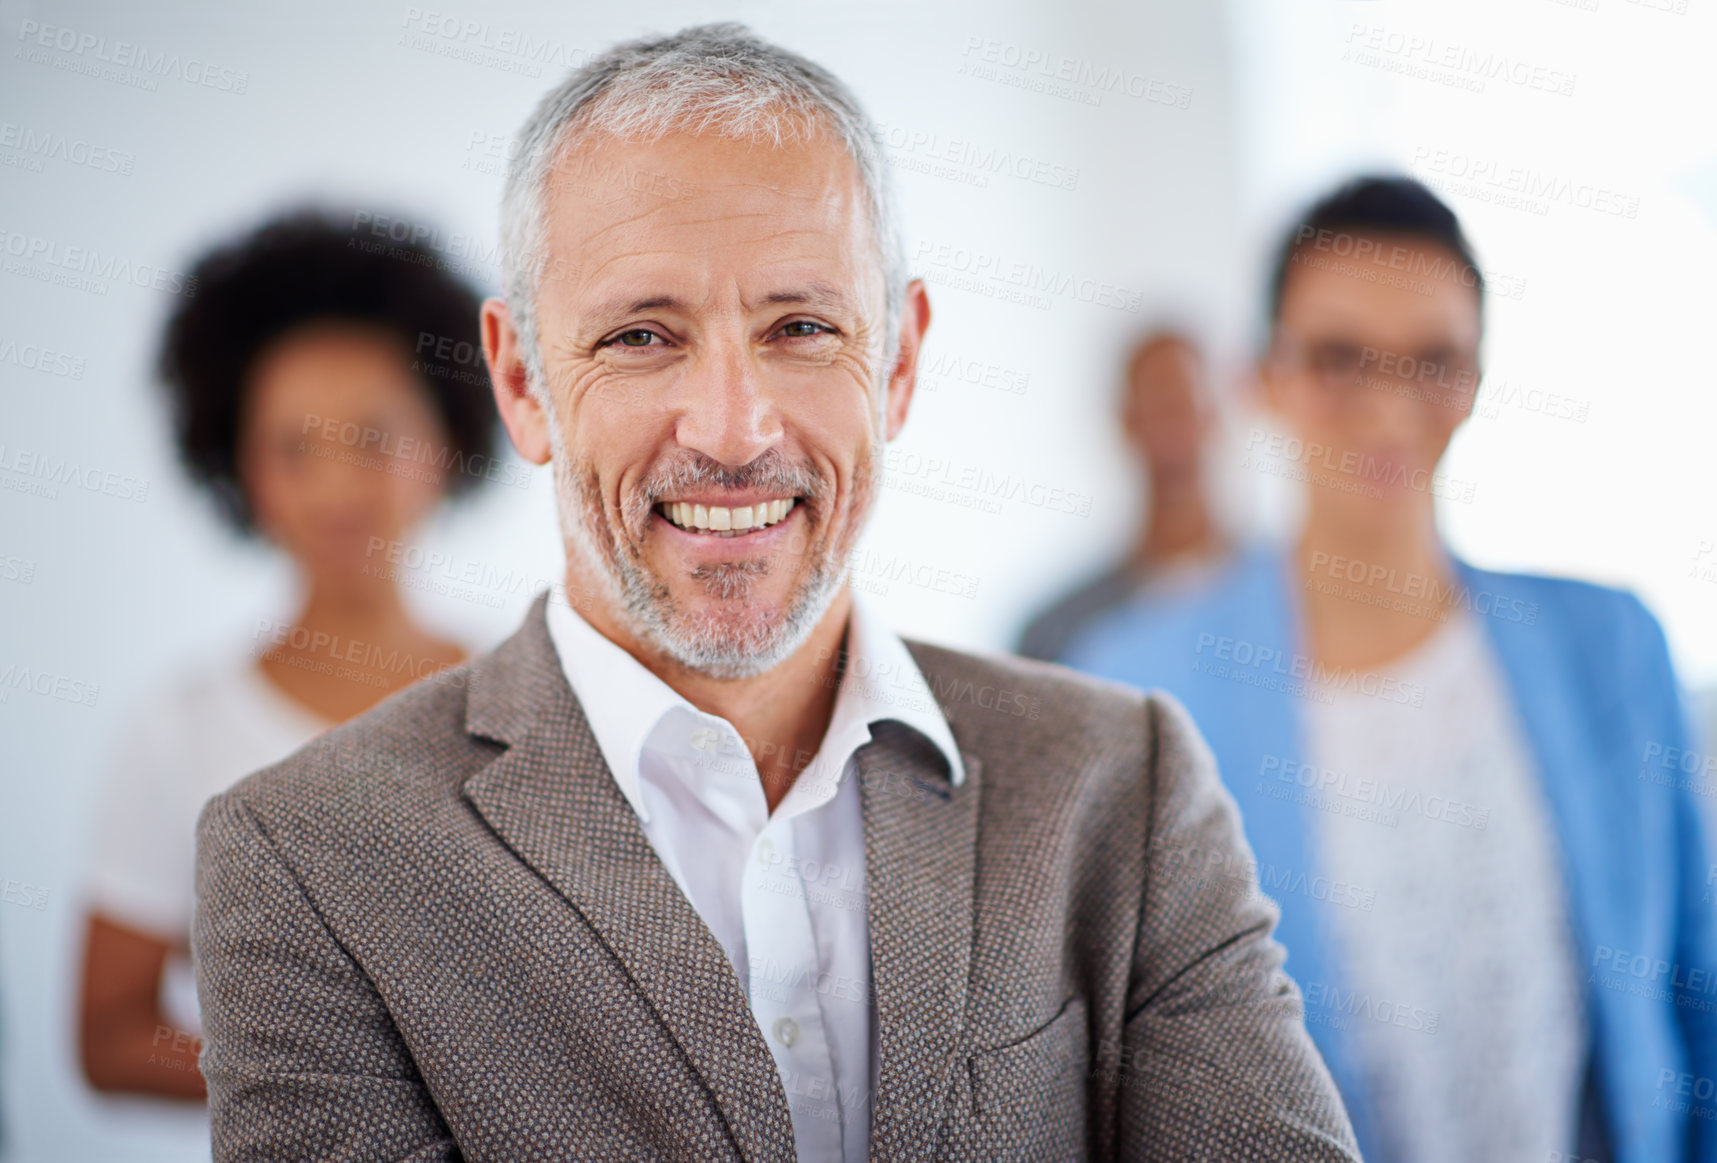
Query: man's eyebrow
[[620, 308], [814, 294]]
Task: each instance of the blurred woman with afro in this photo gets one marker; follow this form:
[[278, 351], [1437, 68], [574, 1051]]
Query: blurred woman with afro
[[326, 392]]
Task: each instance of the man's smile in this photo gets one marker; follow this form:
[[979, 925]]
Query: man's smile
[[726, 520]]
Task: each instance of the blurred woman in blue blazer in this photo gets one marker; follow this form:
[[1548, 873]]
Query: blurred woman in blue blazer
[[1474, 795]]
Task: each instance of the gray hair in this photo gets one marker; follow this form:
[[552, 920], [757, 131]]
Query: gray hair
[[714, 78]]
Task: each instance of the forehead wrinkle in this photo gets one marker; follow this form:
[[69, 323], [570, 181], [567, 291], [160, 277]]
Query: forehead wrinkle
[[807, 290], [824, 195]]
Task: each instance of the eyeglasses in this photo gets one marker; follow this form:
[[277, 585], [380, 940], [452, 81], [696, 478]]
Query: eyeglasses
[[1342, 368]]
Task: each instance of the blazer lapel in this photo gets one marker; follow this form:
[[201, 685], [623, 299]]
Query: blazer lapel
[[920, 837], [552, 800]]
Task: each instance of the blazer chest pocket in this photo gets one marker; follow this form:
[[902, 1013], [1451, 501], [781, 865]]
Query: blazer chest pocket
[[1028, 1098]]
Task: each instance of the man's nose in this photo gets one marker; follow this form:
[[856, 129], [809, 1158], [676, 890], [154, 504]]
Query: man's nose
[[727, 414], [1395, 405]]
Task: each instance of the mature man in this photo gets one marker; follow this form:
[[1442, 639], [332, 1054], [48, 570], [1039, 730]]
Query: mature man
[[710, 864]]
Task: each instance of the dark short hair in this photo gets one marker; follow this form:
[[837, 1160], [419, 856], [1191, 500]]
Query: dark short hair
[[313, 266], [1368, 207]]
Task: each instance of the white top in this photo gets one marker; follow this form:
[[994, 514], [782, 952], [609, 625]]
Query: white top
[[189, 738], [783, 894], [1467, 1008]]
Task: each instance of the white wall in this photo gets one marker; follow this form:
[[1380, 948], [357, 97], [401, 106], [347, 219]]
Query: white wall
[[341, 100]]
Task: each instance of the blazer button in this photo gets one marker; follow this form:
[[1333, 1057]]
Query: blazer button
[[786, 1031]]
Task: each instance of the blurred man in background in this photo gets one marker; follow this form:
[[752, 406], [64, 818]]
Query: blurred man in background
[[1500, 914], [1169, 417]]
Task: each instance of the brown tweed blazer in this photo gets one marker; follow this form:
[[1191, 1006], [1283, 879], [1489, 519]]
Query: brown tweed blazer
[[438, 932]]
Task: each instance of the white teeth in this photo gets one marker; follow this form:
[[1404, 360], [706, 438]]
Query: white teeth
[[720, 519]]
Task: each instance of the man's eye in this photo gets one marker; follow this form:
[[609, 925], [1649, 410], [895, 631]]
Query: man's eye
[[637, 337], [1336, 358], [799, 328]]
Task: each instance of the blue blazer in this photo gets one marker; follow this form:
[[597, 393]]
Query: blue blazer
[[1630, 801]]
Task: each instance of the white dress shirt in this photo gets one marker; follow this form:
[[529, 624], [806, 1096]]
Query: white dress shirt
[[783, 894]]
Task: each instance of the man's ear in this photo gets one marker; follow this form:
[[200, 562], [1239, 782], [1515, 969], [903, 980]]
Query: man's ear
[[903, 377], [526, 422]]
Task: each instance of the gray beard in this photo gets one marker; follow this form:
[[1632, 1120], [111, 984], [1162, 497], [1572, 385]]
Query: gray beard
[[740, 645]]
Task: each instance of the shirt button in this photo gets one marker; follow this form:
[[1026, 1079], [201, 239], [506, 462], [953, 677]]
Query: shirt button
[[786, 1031], [766, 851]]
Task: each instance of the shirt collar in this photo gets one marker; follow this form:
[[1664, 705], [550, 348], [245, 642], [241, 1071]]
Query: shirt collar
[[624, 702], [883, 682]]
